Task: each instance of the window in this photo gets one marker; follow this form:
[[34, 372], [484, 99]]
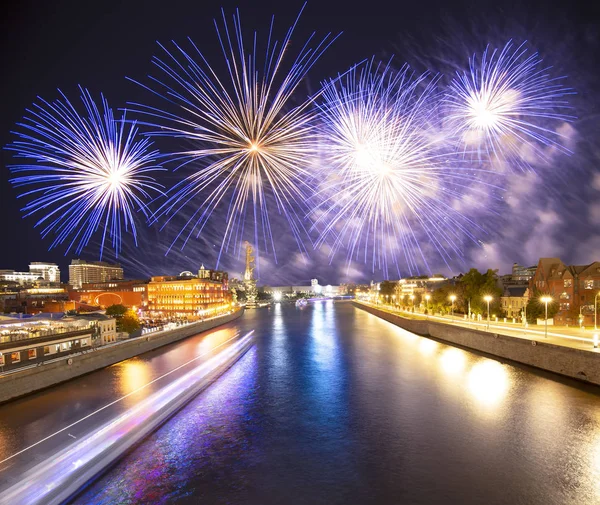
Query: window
[[15, 357], [568, 283], [565, 306], [589, 284], [564, 295], [31, 353]]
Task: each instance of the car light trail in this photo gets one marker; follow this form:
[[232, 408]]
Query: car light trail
[[60, 476]]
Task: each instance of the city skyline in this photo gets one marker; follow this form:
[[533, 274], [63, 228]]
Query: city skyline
[[541, 214]]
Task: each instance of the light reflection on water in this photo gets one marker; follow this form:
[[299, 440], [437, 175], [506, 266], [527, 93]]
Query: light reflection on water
[[337, 406]]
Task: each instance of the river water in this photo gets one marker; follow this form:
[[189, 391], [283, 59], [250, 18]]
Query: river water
[[335, 406]]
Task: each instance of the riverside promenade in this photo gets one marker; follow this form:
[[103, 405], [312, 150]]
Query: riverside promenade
[[566, 354]]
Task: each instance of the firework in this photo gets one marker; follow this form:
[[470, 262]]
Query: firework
[[83, 174], [508, 106], [250, 145], [389, 184]]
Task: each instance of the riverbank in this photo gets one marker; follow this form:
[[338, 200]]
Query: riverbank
[[30, 380], [580, 364]]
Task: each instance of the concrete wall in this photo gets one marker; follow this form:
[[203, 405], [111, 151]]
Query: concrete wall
[[575, 363], [48, 374]]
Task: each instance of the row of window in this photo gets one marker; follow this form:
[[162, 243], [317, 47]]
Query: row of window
[[29, 354], [184, 287]]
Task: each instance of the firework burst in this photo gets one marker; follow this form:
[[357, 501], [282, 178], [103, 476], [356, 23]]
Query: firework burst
[[85, 173], [250, 146], [389, 183], [508, 106]]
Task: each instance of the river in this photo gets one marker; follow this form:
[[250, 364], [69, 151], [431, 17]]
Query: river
[[335, 406]]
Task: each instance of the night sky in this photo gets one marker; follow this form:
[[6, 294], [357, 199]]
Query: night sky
[[63, 44]]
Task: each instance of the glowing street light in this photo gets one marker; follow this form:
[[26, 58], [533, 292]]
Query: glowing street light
[[488, 299], [546, 300], [452, 299], [427, 298], [277, 296]]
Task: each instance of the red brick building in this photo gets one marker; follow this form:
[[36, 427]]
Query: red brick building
[[573, 287]]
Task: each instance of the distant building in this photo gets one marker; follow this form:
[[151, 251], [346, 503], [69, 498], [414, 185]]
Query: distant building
[[314, 289], [85, 272], [573, 287], [131, 293], [47, 271], [514, 300], [189, 296], [38, 271], [521, 273]]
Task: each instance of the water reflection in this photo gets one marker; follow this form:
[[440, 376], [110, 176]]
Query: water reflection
[[134, 374], [488, 383], [427, 347], [453, 361]]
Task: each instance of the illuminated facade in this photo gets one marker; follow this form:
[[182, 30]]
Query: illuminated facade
[[84, 272], [188, 296], [132, 293], [48, 272]]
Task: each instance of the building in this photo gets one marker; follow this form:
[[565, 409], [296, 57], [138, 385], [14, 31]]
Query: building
[[86, 272], [28, 341], [521, 273], [47, 271], [189, 296], [38, 271], [314, 289], [131, 293], [573, 287], [514, 301]]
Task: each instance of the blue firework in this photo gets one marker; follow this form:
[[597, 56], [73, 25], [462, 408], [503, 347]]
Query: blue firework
[[508, 106], [83, 174]]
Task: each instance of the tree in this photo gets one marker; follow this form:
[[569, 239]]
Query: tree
[[117, 310], [386, 288], [471, 289], [129, 322]]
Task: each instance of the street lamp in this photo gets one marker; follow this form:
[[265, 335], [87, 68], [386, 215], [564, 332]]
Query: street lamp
[[394, 300], [427, 298], [412, 301], [488, 299], [596, 310], [452, 299], [546, 300]]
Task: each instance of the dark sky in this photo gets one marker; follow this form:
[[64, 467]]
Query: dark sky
[[63, 44]]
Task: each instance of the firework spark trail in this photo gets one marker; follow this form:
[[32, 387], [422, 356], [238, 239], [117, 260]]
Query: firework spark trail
[[507, 106], [250, 144], [393, 182], [87, 173]]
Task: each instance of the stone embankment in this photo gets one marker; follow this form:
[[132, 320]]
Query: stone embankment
[[62, 369], [575, 363]]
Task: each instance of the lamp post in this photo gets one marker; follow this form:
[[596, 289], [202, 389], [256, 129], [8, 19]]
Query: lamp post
[[394, 300], [427, 298], [488, 299], [452, 299], [546, 300], [596, 310], [412, 302]]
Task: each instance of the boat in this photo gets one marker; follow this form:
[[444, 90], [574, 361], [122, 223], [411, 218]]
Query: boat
[[301, 302]]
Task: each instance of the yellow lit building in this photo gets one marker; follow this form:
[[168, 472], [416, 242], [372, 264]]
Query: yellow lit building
[[188, 296]]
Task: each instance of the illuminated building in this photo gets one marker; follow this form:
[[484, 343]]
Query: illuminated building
[[84, 272], [48, 272], [133, 293], [189, 296], [573, 287]]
